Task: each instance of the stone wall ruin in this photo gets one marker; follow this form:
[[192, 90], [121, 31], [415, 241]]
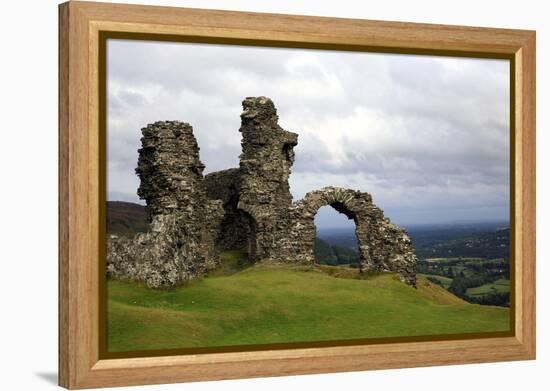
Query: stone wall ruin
[[180, 244], [193, 217]]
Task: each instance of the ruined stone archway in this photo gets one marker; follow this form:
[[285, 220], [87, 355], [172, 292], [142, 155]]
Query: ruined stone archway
[[345, 201], [335, 239], [382, 245], [238, 226]]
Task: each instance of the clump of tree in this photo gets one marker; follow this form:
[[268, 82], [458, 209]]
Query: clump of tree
[[334, 255], [461, 283], [324, 253], [435, 280], [501, 299], [345, 255]]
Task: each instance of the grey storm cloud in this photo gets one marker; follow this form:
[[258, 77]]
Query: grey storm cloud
[[427, 136]]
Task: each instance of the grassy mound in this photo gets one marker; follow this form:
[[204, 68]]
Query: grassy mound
[[282, 303]]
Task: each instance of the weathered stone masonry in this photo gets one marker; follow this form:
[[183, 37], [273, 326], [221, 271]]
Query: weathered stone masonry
[[383, 246], [193, 218], [184, 223]]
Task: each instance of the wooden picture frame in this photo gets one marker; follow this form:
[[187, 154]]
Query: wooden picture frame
[[81, 24]]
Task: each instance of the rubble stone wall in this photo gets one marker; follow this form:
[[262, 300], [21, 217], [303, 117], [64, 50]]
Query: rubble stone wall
[[382, 245], [180, 244], [237, 229], [193, 218]]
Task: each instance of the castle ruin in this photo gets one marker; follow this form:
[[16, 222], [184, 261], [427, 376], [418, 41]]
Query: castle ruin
[[194, 217]]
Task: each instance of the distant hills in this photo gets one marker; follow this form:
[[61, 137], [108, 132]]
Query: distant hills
[[489, 245], [344, 237], [126, 218], [482, 240]]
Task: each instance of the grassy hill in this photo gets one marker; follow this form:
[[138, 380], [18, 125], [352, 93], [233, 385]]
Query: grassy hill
[[269, 303]]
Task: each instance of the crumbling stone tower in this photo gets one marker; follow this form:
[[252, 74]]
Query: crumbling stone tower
[[267, 155], [184, 222], [169, 168]]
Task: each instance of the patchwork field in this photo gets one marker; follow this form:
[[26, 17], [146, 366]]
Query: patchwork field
[[499, 286], [278, 303]]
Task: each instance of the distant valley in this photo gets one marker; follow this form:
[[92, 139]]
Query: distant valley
[[471, 261]]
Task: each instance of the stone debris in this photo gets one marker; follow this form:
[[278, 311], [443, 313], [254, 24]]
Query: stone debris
[[193, 217]]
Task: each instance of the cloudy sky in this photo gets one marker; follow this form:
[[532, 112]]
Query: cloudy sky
[[427, 136]]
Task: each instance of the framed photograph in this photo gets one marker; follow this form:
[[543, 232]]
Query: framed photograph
[[246, 195]]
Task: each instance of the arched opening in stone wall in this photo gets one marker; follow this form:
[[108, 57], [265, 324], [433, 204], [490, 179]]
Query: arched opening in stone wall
[[335, 236], [238, 233], [249, 228]]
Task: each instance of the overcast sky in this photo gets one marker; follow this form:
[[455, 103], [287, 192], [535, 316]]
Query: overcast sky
[[427, 136]]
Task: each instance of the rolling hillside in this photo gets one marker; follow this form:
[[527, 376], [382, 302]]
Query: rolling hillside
[[271, 303]]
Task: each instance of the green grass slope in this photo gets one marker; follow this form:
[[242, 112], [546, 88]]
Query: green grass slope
[[277, 303]]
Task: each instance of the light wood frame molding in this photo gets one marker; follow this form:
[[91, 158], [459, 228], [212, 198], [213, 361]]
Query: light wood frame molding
[[80, 23]]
